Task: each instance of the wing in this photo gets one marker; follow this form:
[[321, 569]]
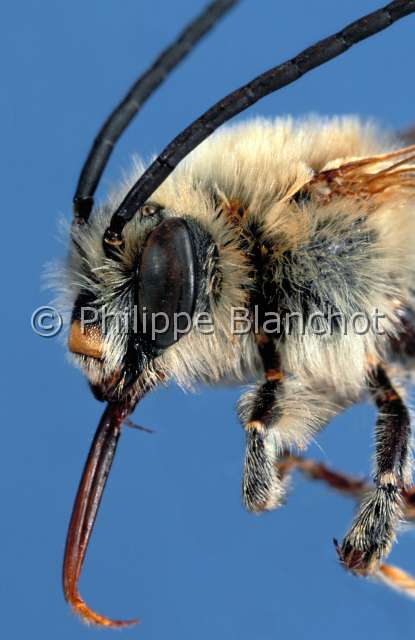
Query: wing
[[372, 180]]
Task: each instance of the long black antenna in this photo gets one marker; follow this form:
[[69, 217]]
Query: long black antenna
[[141, 90], [244, 97]]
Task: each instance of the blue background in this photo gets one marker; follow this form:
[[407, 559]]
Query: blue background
[[172, 543]]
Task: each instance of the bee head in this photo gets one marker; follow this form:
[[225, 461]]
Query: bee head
[[132, 306]]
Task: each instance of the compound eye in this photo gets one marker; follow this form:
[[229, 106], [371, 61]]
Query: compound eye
[[167, 283]]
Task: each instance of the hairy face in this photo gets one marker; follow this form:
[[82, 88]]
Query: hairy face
[[132, 306]]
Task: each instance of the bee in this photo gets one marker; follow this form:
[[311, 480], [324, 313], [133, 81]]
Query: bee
[[277, 253]]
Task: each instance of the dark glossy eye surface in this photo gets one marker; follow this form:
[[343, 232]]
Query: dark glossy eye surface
[[167, 283]]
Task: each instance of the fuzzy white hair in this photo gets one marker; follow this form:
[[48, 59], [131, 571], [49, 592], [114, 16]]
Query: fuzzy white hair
[[260, 164]]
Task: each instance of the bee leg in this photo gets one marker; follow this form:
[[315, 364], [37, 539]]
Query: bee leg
[[373, 530], [347, 485], [262, 488]]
